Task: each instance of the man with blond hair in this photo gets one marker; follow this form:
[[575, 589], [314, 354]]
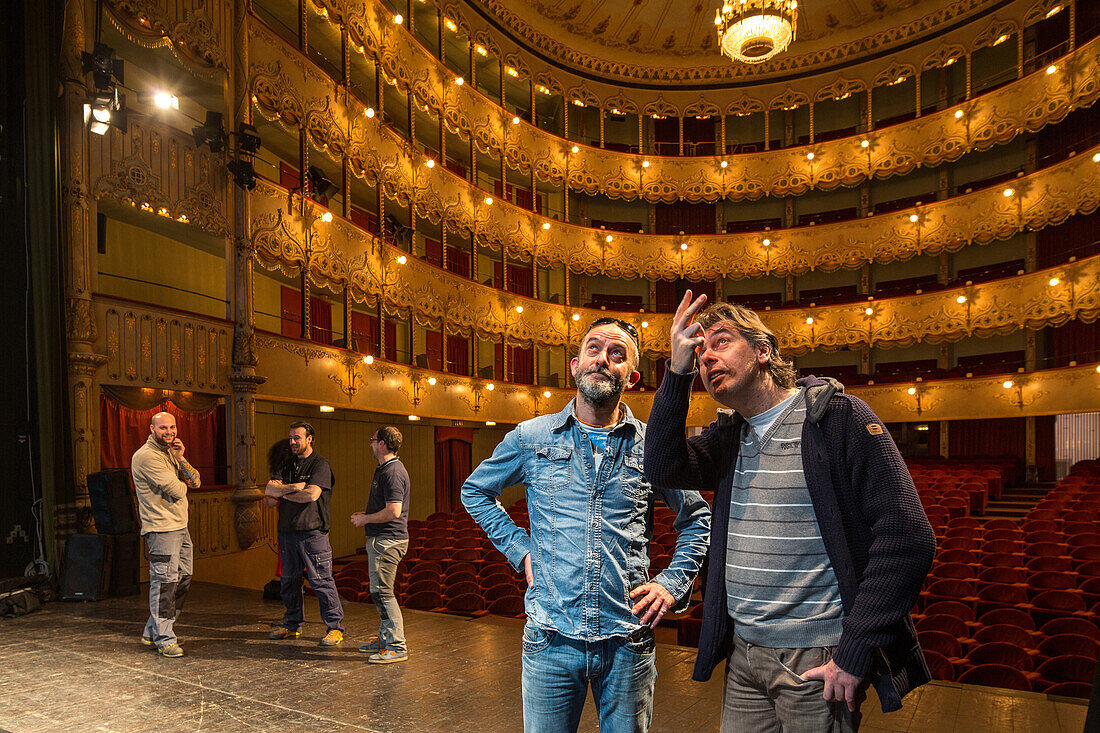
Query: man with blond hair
[[819, 545], [162, 477]]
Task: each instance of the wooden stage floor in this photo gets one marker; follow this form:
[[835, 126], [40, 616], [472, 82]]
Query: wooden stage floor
[[82, 667]]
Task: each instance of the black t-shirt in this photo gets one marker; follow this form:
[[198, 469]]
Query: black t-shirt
[[298, 517], [389, 486]]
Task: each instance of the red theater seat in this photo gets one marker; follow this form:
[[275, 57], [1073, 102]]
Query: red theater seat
[[960, 543], [1050, 580], [952, 625], [1071, 625], [1009, 576], [467, 604], [1012, 535], [941, 643], [951, 608], [1013, 616], [1039, 525], [1001, 652], [940, 666], [1068, 668], [963, 556], [1083, 540], [1050, 564], [950, 590], [1005, 633], [1002, 524], [506, 606], [1069, 644], [424, 601], [1001, 560], [996, 675], [956, 570], [1070, 689], [1001, 596]]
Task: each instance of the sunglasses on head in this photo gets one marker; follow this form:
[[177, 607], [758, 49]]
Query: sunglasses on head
[[624, 325]]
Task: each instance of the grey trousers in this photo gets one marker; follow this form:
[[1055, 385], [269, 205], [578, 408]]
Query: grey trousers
[[765, 694], [383, 556], [171, 561]]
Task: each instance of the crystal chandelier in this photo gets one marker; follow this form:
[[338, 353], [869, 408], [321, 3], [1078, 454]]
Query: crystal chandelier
[[753, 31]]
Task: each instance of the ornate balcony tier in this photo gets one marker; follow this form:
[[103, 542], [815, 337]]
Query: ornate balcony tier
[[376, 153], [295, 369], [341, 255], [1022, 106]]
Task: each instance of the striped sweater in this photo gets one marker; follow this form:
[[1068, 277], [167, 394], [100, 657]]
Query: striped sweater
[[781, 590]]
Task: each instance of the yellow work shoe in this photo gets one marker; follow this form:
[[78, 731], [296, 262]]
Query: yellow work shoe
[[334, 637]]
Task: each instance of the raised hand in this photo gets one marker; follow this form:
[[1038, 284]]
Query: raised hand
[[686, 335]]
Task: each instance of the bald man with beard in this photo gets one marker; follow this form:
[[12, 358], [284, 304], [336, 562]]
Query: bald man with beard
[[162, 477]]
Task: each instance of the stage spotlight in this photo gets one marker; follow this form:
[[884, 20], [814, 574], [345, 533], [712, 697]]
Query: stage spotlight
[[166, 100], [105, 110], [319, 181], [103, 66], [210, 132], [247, 140], [244, 175]]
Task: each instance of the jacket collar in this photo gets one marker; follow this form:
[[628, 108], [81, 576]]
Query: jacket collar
[[562, 420], [819, 390]]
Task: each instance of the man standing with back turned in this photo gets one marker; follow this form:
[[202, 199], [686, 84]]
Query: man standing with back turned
[[590, 602], [162, 477], [820, 544], [386, 524], [305, 488]]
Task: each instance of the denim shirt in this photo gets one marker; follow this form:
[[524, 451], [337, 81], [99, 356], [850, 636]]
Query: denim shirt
[[589, 529]]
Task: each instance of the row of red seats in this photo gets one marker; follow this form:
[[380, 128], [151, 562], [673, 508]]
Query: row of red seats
[[1059, 658]]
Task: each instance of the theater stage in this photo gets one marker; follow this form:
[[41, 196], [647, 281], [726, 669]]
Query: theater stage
[[82, 667]]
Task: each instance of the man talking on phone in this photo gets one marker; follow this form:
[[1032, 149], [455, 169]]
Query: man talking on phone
[[162, 477]]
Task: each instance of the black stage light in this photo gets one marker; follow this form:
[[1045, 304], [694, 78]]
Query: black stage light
[[247, 139], [103, 65], [210, 132], [244, 175], [319, 181], [105, 109]]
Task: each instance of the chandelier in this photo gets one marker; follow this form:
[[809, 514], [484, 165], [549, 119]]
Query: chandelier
[[753, 31]]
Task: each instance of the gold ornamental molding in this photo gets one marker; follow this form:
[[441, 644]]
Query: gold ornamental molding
[[1025, 105], [158, 170], [670, 82], [192, 30], [154, 348], [341, 255], [376, 154], [293, 378]]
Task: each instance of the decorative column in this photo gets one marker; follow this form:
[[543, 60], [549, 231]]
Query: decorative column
[[243, 378], [70, 500]]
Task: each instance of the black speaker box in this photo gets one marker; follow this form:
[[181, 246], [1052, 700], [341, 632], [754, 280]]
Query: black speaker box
[[125, 554], [112, 502], [84, 576]]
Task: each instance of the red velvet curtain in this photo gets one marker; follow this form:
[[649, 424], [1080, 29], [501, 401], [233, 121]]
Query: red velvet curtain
[[685, 217], [434, 348], [1075, 341], [123, 430], [320, 321], [453, 448], [523, 365], [458, 355], [996, 437]]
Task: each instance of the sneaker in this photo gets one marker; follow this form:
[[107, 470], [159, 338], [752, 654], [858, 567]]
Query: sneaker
[[371, 647], [170, 650], [149, 642], [388, 656], [334, 637], [282, 632]]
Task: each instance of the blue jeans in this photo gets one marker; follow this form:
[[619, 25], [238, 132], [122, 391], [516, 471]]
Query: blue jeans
[[557, 672], [311, 551]]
